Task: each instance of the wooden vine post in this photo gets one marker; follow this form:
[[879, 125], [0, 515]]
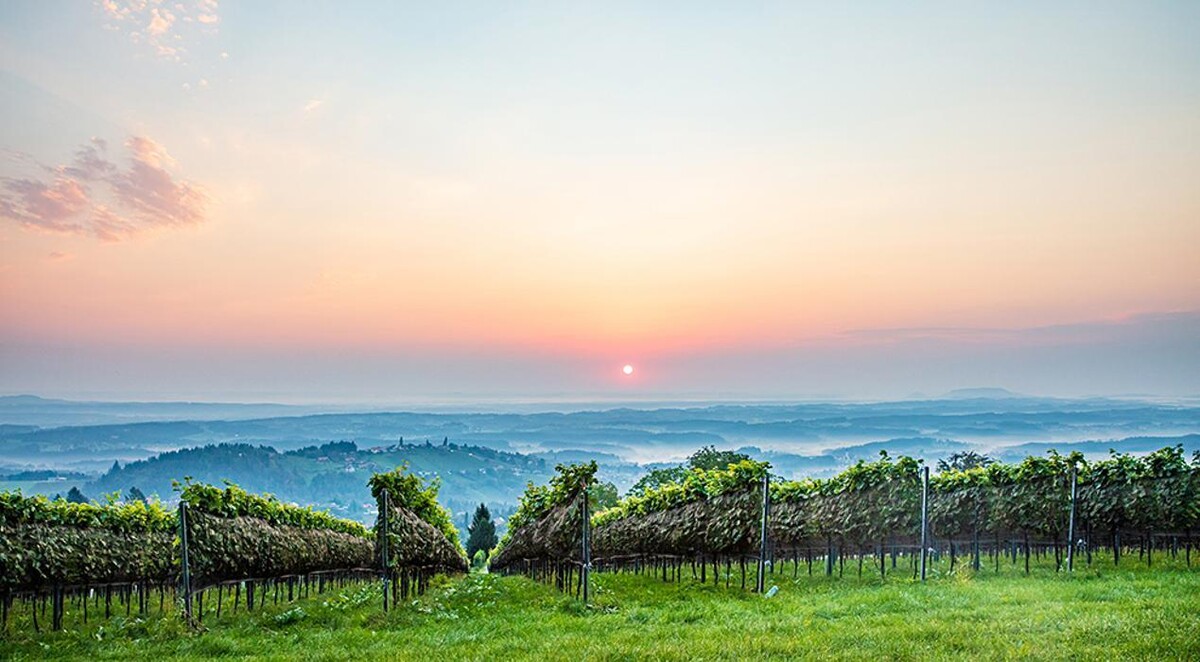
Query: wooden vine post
[[924, 517], [761, 585], [185, 576], [383, 553], [1071, 524]]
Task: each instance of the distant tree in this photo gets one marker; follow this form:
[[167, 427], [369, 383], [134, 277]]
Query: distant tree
[[481, 535], [479, 560], [135, 495], [338, 448], [657, 478], [964, 460], [706, 458], [445, 441], [75, 496], [710, 458], [601, 496]]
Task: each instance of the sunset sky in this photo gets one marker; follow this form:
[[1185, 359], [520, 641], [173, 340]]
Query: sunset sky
[[398, 203]]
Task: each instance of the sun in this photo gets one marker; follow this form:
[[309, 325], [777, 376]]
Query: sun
[[628, 369]]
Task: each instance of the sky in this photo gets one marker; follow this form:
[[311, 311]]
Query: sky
[[400, 202]]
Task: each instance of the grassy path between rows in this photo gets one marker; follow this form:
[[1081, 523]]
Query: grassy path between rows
[[1098, 613]]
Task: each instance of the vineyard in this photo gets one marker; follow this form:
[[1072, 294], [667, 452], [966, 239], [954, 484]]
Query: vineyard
[[225, 546], [883, 515], [242, 564]]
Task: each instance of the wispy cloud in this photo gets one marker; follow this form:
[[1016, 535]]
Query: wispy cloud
[[95, 196], [313, 105], [167, 28], [1081, 332]]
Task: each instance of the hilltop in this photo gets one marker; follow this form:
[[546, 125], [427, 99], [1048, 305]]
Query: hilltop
[[334, 476]]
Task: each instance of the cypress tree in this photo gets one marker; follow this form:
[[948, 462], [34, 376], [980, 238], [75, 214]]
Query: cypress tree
[[481, 534]]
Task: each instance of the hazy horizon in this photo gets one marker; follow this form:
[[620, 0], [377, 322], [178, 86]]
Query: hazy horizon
[[582, 402], [1148, 356]]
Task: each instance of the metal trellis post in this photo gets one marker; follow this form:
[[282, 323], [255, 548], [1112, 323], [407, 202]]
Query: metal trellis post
[[762, 540], [383, 527], [586, 552], [924, 517], [1071, 525], [185, 577]]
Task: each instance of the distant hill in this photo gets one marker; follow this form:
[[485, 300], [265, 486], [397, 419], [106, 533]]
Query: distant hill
[[918, 447], [992, 393], [333, 476], [633, 435], [46, 412]]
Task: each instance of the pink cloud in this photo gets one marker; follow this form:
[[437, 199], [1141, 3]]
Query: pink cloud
[[160, 22], [91, 161], [150, 190], [147, 151], [53, 206], [94, 196]]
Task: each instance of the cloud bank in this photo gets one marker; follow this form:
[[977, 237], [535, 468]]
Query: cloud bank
[[95, 196]]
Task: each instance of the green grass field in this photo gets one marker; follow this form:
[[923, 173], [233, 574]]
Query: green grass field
[[1099, 613]]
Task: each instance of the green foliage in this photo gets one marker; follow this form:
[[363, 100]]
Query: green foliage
[[706, 458], [963, 501], [656, 478], [233, 534], [697, 484], [293, 615], [1157, 491], [873, 502], [224, 548], [44, 542], [408, 491], [233, 501], [709, 458], [540, 499], [602, 496], [863, 503], [537, 503], [16, 510], [420, 531]]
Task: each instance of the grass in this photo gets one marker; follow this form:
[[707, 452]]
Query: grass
[[1100, 612]]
